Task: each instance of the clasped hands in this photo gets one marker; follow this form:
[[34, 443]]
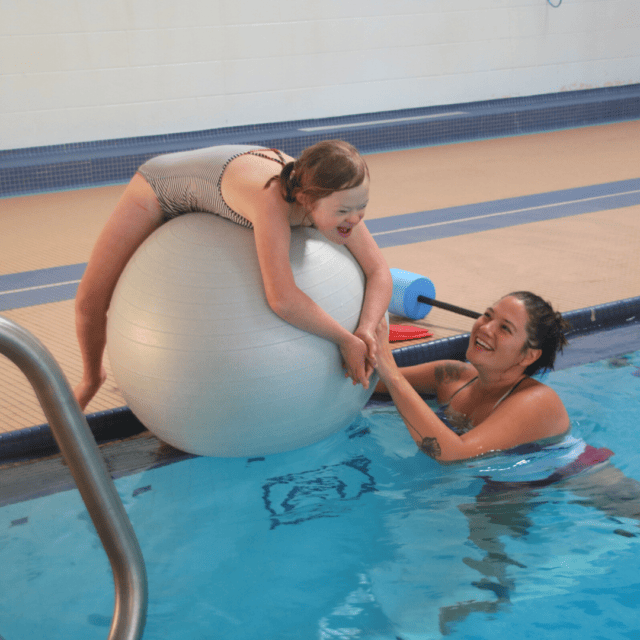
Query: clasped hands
[[362, 353]]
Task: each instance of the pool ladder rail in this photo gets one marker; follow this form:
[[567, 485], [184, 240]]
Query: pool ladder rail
[[80, 451]]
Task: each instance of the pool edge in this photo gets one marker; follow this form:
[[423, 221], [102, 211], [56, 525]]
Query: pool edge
[[113, 424]]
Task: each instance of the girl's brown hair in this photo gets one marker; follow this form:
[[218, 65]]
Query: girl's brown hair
[[322, 169]]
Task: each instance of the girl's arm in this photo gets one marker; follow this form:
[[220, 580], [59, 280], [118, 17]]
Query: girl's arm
[[530, 415], [379, 285], [135, 217], [272, 236]]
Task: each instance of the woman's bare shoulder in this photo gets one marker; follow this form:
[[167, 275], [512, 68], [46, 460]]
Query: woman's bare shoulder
[[541, 405], [534, 389]]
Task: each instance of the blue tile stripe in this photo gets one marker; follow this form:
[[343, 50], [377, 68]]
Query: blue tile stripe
[[446, 223], [32, 288]]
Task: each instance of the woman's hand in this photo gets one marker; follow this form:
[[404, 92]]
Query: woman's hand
[[354, 353], [88, 387], [385, 362]]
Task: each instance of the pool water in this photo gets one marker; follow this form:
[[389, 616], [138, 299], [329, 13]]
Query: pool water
[[358, 536]]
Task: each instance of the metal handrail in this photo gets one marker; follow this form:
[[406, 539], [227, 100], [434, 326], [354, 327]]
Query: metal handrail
[[80, 451]]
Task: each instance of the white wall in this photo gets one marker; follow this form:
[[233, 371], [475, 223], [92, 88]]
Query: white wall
[[83, 70]]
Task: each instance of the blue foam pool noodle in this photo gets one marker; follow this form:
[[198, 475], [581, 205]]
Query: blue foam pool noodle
[[407, 288]]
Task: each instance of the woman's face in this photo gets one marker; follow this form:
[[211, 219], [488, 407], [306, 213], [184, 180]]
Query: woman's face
[[336, 215], [499, 337]]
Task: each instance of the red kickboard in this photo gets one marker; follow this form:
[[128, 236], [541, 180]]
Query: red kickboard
[[399, 332]]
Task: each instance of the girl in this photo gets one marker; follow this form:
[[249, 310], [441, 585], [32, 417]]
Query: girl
[[327, 187]]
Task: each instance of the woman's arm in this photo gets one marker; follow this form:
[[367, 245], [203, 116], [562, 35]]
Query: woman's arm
[[135, 217], [525, 417], [441, 377]]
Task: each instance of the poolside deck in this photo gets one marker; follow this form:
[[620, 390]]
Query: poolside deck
[[574, 260]]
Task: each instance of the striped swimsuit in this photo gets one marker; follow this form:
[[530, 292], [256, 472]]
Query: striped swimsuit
[[189, 181]]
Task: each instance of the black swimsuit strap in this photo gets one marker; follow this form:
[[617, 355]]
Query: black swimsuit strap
[[504, 397], [280, 159], [464, 386]]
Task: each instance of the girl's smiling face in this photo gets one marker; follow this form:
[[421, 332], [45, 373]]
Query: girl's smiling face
[[338, 214], [499, 337]]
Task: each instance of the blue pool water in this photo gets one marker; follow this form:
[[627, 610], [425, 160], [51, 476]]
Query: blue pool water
[[359, 536]]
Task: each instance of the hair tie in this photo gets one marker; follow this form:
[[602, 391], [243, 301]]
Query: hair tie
[[288, 181]]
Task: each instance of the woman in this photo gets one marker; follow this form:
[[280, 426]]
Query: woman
[[490, 403], [326, 187]]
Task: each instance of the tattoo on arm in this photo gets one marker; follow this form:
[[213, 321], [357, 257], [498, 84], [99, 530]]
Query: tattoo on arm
[[431, 447], [427, 445], [448, 372]]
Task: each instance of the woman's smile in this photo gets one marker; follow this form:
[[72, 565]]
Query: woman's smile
[[483, 345]]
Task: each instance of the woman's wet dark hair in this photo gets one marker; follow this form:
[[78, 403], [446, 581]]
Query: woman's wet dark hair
[[545, 330], [322, 169]]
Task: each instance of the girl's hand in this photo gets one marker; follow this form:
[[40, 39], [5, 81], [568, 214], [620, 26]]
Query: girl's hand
[[368, 336], [354, 355], [87, 388]]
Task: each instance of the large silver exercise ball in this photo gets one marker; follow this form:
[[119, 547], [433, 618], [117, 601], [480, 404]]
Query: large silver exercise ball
[[204, 363]]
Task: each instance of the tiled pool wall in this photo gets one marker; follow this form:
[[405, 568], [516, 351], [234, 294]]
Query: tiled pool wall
[[87, 164]]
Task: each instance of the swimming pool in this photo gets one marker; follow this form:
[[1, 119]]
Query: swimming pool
[[357, 536]]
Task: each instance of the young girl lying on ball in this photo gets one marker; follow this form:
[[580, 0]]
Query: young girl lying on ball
[[327, 187]]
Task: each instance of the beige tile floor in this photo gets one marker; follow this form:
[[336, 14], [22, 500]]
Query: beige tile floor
[[574, 262]]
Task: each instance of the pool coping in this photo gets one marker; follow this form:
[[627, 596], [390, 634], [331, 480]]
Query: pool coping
[[119, 423], [585, 321]]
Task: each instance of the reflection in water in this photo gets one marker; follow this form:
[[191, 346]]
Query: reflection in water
[[499, 514]]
